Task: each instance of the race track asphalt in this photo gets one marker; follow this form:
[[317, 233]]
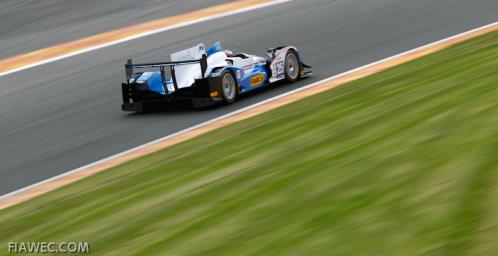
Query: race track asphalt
[[28, 25], [66, 114]]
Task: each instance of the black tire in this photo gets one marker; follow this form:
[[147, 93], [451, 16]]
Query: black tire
[[228, 87], [292, 68]]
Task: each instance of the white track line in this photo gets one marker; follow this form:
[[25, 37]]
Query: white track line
[[244, 109], [148, 33]]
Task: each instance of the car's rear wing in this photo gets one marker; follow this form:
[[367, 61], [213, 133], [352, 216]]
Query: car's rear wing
[[129, 68]]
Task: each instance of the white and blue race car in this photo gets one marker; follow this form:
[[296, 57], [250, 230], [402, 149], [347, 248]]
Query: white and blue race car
[[205, 77]]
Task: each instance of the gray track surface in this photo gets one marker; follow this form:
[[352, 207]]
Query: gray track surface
[[66, 114], [27, 25]]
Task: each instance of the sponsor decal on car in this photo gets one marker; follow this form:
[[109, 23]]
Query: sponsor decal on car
[[257, 80]]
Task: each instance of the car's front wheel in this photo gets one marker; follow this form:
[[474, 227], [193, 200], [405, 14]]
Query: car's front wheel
[[292, 66], [228, 87]]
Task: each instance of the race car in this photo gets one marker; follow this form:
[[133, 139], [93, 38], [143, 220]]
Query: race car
[[205, 77]]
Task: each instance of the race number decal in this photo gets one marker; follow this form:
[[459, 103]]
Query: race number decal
[[280, 68], [257, 80]]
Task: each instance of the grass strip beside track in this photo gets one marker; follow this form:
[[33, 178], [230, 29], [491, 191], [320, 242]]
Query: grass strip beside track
[[399, 163]]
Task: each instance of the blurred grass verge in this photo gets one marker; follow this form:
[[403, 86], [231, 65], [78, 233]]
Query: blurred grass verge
[[403, 162]]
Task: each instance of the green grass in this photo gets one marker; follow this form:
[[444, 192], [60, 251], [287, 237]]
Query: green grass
[[404, 162]]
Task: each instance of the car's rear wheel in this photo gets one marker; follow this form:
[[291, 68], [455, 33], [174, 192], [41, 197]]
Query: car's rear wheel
[[228, 87], [292, 66]]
